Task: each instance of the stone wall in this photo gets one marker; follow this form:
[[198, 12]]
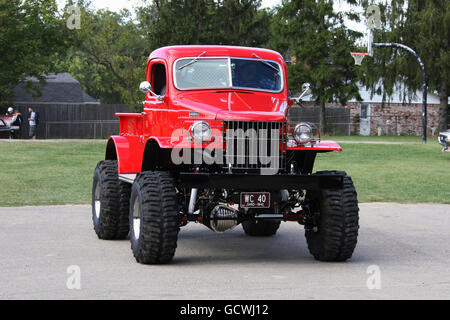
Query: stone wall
[[390, 119], [397, 119]]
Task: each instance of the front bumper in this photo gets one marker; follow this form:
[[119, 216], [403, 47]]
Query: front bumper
[[254, 182]]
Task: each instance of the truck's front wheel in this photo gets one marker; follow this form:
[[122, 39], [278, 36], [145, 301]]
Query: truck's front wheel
[[110, 202], [154, 220], [336, 213]]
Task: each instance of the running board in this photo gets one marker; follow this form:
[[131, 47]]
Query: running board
[[127, 177]]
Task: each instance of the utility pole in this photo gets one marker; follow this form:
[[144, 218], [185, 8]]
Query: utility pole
[[374, 22], [424, 80]]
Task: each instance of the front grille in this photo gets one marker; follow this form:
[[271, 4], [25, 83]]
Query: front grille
[[254, 144]]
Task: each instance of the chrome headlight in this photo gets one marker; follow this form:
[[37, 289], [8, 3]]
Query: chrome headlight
[[200, 131], [302, 132]]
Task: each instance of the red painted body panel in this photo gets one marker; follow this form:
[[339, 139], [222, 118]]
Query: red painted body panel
[[129, 153], [162, 117]]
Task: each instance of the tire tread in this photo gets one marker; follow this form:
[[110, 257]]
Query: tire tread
[[339, 223], [160, 220], [113, 222]]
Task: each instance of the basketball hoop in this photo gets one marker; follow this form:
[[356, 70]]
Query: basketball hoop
[[359, 56]]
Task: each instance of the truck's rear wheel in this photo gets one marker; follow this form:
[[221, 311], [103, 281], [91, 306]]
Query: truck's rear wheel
[[261, 228], [154, 220], [335, 236], [110, 202]]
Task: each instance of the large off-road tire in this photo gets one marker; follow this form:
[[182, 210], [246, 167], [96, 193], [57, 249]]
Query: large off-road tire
[[110, 202], [154, 219], [261, 228], [335, 236]]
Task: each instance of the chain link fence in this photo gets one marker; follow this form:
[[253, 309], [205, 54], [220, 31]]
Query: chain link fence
[[79, 129], [339, 123]]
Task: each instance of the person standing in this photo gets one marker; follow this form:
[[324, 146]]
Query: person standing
[[32, 123]]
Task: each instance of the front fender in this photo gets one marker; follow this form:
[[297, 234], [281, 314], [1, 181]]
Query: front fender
[[128, 151]]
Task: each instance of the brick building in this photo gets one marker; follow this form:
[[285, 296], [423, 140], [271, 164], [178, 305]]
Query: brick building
[[372, 117]]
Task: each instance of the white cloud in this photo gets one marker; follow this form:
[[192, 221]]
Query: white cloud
[[270, 3]]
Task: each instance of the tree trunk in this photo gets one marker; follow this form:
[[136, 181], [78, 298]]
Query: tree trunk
[[443, 108], [323, 120]]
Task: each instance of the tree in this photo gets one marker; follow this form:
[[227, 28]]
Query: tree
[[108, 57], [241, 23], [423, 26], [227, 22], [316, 36], [31, 33], [110, 51], [176, 22], [94, 78]]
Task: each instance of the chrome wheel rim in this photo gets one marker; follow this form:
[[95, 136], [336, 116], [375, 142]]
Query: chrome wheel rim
[[136, 219]]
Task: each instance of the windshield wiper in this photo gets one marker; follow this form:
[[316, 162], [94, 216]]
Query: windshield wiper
[[265, 62], [191, 62]]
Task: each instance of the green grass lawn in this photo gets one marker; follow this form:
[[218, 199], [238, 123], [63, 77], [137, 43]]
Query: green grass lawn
[[412, 172], [46, 173]]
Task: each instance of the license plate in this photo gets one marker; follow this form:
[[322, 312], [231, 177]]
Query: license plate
[[255, 199]]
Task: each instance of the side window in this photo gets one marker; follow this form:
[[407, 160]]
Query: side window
[[159, 79]]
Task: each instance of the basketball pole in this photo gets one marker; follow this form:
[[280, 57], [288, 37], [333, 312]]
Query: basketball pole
[[424, 77]]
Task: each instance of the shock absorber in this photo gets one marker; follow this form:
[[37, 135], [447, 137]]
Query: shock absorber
[[192, 200], [193, 197]]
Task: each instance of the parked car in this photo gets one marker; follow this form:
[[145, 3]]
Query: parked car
[[14, 123], [5, 129], [444, 139], [213, 146]]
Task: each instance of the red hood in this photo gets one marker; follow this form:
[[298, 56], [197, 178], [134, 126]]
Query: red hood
[[236, 105]]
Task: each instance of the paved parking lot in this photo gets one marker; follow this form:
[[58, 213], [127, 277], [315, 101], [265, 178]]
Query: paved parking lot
[[407, 244]]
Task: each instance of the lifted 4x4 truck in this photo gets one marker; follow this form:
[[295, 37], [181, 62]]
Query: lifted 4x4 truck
[[213, 146]]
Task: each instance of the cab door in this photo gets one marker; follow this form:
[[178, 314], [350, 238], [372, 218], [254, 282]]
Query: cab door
[[156, 103]]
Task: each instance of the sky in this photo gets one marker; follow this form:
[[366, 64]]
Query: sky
[[117, 5]]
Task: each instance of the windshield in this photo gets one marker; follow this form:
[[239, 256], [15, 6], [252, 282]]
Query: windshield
[[205, 73]]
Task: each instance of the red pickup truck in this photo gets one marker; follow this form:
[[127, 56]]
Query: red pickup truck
[[213, 146]]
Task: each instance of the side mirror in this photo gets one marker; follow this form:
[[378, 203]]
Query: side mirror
[[306, 91], [306, 87], [145, 87]]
